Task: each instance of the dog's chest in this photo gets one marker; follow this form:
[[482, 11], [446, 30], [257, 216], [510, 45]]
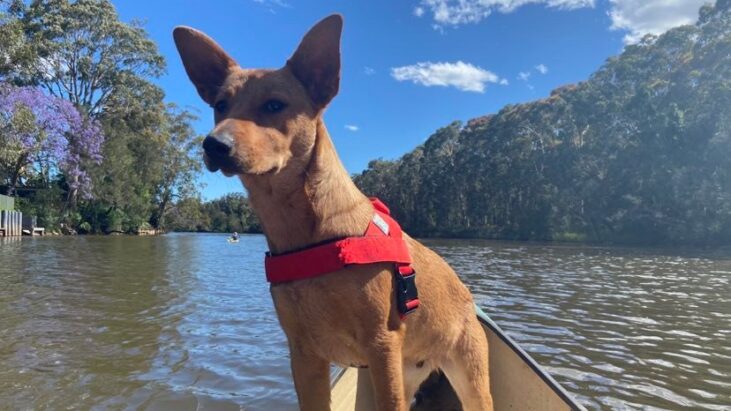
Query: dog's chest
[[319, 324]]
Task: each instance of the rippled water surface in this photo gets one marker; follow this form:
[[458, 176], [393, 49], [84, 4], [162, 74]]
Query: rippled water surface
[[185, 322]]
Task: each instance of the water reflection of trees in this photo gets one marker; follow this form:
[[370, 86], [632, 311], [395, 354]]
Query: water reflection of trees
[[85, 315]]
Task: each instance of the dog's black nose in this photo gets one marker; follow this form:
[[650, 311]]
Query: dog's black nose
[[218, 146]]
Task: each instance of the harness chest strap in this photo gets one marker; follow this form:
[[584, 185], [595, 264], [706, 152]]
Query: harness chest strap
[[382, 242]]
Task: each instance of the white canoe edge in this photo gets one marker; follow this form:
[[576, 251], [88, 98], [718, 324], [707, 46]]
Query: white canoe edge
[[517, 382]]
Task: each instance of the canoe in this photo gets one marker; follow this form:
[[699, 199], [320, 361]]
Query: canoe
[[517, 382], [231, 240]]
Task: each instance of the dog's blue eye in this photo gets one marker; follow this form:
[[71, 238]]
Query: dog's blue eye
[[274, 106], [221, 106]]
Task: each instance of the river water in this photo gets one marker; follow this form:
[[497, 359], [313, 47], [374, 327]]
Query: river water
[[185, 322]]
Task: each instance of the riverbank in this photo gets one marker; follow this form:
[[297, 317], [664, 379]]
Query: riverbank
[[564, 241]]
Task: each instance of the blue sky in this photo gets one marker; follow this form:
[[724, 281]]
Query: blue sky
[[411, 66]]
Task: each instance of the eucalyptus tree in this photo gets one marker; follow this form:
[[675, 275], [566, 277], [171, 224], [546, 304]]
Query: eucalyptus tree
[[82, 52]]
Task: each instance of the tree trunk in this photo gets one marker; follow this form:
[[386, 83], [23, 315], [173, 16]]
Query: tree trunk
[[10, 191], [161, 209]]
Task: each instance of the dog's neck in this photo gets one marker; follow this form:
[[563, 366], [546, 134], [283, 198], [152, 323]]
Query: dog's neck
[[316, 204]]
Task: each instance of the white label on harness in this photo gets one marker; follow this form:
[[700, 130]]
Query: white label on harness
[[380, 223]]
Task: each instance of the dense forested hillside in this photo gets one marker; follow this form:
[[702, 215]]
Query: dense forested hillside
[[641, 152]]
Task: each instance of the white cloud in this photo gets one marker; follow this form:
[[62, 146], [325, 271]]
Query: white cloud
[[273, 5], [461, 75], [504, 82], [639, 18], [456, 12], [279, 3], [524, 75], [418, 11], [351, 127], [636, 17], [542, 68], [369, 71]]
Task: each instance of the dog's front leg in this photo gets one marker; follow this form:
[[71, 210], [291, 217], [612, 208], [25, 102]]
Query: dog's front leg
[[311, 380], [386, 369]]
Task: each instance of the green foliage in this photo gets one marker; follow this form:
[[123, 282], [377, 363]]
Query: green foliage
[[181, 157], [17, 52], [45, 204], [80, 51], [641, 152], [227, 214]]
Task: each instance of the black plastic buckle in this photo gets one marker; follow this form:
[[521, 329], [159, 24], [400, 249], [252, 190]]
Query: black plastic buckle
[[407, 296]]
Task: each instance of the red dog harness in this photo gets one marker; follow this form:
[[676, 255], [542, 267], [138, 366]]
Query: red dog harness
[[382, 242]]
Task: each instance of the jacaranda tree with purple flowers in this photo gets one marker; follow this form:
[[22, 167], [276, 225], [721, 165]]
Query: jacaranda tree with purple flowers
[[81, 52], [42, 136]]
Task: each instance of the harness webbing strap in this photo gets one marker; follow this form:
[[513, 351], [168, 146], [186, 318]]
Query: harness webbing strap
[[382, 242]]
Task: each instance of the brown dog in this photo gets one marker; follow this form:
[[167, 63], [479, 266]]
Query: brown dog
[[269, 131]]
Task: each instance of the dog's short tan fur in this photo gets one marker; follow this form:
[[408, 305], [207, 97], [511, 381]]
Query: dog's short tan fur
[[302, 195]]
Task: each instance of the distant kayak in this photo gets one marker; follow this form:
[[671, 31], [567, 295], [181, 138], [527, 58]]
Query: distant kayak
[[232, 240]]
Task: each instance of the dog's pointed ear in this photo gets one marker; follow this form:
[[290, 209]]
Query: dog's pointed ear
[[316, 63], [205, 61]]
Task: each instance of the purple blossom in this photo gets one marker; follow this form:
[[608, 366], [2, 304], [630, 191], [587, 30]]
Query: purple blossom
[[59, 133]]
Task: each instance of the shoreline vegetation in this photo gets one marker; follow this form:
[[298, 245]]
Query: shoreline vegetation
[[640, 153]]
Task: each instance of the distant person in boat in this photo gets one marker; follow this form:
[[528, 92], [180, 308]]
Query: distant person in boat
[[235, 236]]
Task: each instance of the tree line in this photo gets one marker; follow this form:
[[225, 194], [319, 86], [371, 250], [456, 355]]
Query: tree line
[[638, 153], [227, 214]]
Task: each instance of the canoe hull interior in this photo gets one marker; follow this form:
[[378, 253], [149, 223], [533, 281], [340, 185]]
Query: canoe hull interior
[[517, 382]]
